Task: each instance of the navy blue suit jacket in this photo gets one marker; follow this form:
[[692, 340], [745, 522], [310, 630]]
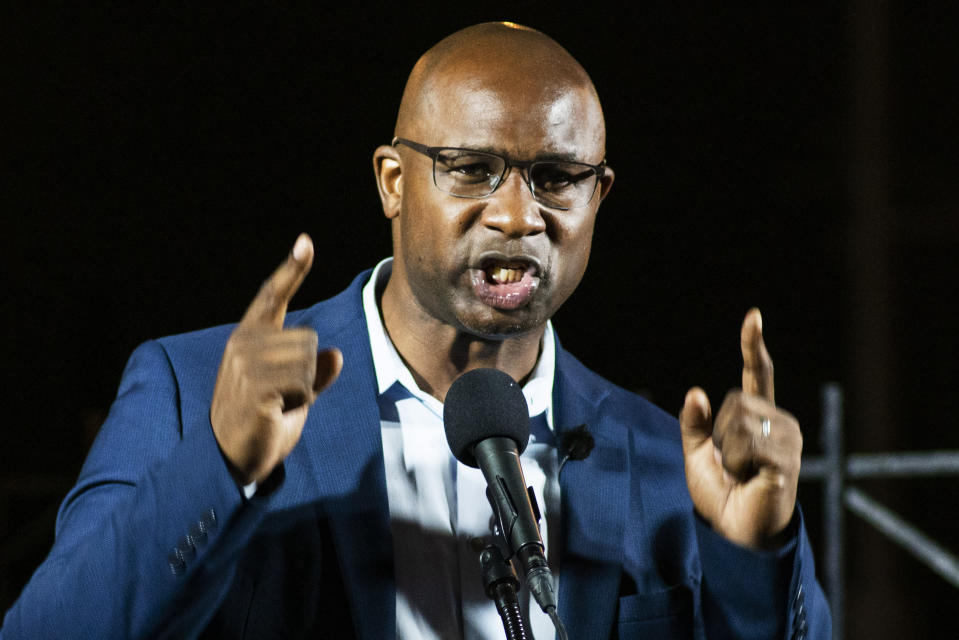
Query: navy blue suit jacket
[[155, 539]]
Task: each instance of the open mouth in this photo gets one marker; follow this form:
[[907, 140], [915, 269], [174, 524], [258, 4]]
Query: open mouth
[[506, 283], [506, 274]]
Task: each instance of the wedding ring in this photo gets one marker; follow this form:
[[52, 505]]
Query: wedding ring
[[766, 426]]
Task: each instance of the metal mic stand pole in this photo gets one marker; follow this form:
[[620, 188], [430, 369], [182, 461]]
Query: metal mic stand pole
[[500, 584]]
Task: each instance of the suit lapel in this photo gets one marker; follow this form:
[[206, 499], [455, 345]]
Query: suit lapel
[[595, 494], [345, 448]]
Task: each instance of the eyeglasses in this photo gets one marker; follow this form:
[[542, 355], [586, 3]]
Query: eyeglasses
[[467, 173]]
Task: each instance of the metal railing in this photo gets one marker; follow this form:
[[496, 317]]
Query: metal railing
[[834, 468]]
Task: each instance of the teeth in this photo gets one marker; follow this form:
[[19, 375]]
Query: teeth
[[503, 275]]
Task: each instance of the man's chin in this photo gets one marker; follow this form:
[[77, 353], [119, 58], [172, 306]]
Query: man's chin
[[497, 324]]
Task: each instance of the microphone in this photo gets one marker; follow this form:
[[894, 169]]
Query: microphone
[[575, 444], [487, 427]]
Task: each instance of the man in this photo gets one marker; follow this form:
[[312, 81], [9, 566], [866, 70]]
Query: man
[[229, 495]]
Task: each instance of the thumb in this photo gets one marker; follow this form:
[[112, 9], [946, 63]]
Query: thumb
[[695, 420], [328, 365], [704, 469]]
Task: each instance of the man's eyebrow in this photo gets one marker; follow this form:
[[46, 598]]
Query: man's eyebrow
[[543, 156], [557, 157]]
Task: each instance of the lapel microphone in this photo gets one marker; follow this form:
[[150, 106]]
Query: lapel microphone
[[575, 444]]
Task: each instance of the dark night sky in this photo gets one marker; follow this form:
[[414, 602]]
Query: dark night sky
[[157, 164]]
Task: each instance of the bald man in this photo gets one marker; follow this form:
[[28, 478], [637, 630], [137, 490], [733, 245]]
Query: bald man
[[229, 495]]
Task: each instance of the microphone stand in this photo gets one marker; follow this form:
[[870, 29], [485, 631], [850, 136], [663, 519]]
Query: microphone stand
[[500, 584]]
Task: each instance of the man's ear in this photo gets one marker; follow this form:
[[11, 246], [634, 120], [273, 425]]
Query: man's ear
[[606, 183], [389, 179]]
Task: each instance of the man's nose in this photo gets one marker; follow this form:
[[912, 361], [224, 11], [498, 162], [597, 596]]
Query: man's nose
[[512, 210]]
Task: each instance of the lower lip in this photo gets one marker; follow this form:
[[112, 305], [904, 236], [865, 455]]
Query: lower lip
[[507, 296]]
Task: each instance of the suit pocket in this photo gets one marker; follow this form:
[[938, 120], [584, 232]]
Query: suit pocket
[[663, 614]]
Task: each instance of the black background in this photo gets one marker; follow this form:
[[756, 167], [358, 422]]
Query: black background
[[159, 162]]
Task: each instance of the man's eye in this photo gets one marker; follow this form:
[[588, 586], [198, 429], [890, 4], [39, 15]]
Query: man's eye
[[470, 168], [480, 170], [559, 177], [554, 180]]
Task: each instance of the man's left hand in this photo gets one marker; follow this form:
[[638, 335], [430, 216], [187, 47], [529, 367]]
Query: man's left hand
[[742, 468]]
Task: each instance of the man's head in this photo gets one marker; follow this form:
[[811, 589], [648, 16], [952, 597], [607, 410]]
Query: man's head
[[501, 264]]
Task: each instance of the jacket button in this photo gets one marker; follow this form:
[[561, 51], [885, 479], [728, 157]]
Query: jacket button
[[177, 563], [185, 550], [208, 521], [197, 534]]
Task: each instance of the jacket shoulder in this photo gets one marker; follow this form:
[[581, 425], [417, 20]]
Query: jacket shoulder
[[328, 317], [613, 400]]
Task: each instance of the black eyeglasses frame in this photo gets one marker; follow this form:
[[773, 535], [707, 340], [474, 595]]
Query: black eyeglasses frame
[[599, 170]]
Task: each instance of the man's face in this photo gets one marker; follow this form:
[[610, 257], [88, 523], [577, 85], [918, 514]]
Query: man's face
[[503, 264]]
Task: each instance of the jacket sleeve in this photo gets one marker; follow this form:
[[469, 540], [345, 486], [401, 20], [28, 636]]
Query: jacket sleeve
[[146, 540], [737, 583]]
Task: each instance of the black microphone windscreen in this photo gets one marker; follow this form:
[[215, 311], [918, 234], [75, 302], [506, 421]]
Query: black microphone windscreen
[[481, 404]]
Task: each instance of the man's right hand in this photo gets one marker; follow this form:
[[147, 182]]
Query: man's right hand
[[269, 376]]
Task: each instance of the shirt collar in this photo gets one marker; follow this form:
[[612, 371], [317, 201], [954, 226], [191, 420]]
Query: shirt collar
[[390, 368]]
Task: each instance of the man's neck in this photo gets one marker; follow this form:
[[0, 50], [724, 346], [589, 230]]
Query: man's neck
[[437, 353]]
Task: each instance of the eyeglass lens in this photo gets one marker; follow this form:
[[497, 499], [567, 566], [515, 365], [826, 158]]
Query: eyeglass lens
[[474, 174]]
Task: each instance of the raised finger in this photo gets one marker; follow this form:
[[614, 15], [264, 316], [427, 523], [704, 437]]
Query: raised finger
[[757, 365], [269, 306]]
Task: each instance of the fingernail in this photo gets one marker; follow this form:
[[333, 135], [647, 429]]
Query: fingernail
[[301, 247], [698, 398]]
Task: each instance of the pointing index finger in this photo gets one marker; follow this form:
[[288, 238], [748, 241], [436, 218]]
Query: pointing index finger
[[757, 365], [269, 306]]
